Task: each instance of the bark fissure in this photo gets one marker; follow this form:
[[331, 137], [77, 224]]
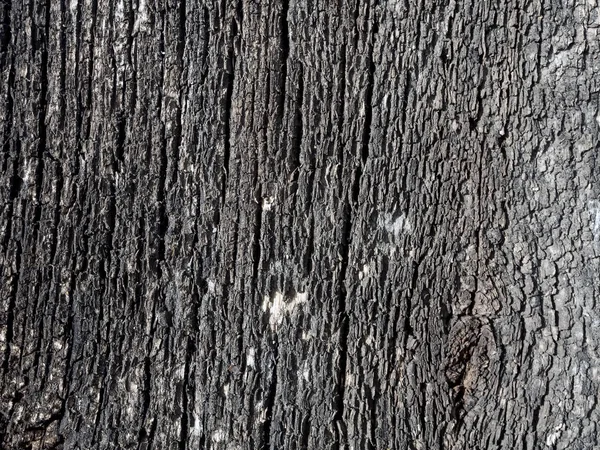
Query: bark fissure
[[10, 316], [230, 80], [346, 242], [42, 46], [5, 35], [285, 51], [270, 398], [163, 162], [297, 133], [256, 250], [182, 83], [6, 54], [88, 105], [183, 436]]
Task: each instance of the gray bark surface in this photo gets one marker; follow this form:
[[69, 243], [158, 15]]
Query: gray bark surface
[[299, 225]]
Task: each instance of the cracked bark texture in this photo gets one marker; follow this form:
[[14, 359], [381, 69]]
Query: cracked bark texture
[[299, 224]]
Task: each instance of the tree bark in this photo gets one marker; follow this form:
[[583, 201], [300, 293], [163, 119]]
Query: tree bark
[[299, 224]]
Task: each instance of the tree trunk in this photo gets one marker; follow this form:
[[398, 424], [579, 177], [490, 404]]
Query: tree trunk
[[307, 225]]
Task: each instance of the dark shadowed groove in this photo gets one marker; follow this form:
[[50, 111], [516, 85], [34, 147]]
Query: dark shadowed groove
[[271, 394], [183, 432], [478, 239], [230, 79], [539, 50], [404, 107], [68, 333], [257, 233], [12, 301], [205, 42], [62, 109], [161, 192], [5, 39], [341, 112], [368, 108], [16, 182], [57, 210], [42, 113], [190, 347], [182, 91], [40, 44], [305, 433], [143, 436], [5, 34], [132, 61], [409, 439], [344, 317], [77, 75], [227, 144], [298, 119], [347, 238], [147, 370], [285, 51], [90, 72], [293, 158], [296, 141], [98, 415]]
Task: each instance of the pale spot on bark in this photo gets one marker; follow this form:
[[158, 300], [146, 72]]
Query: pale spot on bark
[[278, 308], [395, 225], [306, 372], [211, 286], [142, 16], [260, 413], [552, 438], [250, 361], [267, 203], [366, 269], [219, 436]]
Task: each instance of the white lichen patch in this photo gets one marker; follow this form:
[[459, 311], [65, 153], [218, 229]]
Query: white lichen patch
[[276, 267], [364, 272], [250, 357], [267, 203], [211, 286], [260, 413], [395, 224], [396, 7], [307, 336], [219, 435], [266, 303], [142, 17], [278, 307], [553, 437], [29, 175], [197, 428], [306, 372]]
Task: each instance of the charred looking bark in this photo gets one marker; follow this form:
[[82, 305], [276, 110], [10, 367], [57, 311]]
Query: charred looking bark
[[243, 224]]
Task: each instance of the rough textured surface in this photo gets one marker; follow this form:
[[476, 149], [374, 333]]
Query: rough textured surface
[[304, 224]]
